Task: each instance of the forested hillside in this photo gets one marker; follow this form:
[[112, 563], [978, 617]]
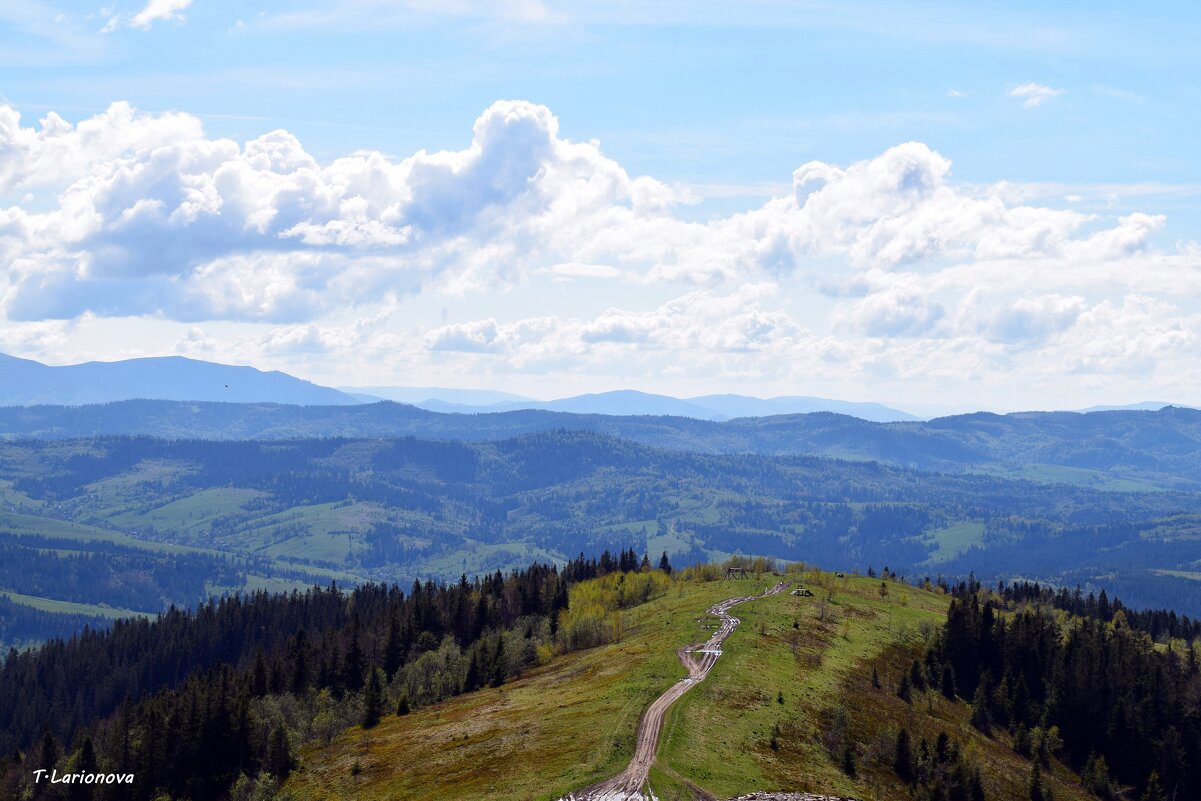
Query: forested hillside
[[869, 685], [191, 702], [1109, 449], [222, 515]]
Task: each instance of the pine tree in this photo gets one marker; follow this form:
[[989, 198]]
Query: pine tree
[[353, 667], [392, 646], [471, 682], [902, 761], [373, 700], [300, 669], [848, 760], [1021, 741], [948, 682], [279, 754], [1035, 785], [259, 681], [942, 748], [48, 753], [85, 763], [498, 662], [976, 788], [917, 677], [402, 708], [1094, 777], [1154, 791], [981, 718]]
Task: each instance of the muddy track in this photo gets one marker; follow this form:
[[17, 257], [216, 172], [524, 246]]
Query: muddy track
[[698, 659]]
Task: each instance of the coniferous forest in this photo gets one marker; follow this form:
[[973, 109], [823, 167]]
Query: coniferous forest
[[1092, 688], [195, 701]]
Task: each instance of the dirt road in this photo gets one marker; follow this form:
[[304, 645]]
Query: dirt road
[[631, 784]]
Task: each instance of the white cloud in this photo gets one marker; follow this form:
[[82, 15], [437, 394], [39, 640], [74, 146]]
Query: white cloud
[[884, 269], [154, 11], [1031, 319], [710, 327], [1034, 94], [159, 11], [143, 213]]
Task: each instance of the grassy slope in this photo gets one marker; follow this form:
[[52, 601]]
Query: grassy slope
[[572, 721], [955, 540], [559, 728], [70, 607], [718, 736]]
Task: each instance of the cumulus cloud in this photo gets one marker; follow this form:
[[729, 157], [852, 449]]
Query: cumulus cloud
[[1032, 319], [704, 323], [1034, 94], [144, 214], [901, 272], [153, 217]]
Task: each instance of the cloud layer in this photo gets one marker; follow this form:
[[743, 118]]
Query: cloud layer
[[886, 265]]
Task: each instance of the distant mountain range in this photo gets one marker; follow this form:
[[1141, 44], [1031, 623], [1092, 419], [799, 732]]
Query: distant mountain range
[[1118, 449], [24, 382], [627, 402]]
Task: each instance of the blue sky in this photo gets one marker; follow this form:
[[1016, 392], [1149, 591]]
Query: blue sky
[[1004, 211]]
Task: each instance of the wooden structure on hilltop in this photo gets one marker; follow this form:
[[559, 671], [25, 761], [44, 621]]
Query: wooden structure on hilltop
[[736, 572]]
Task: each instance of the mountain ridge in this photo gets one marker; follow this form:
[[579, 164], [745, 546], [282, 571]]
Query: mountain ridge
[[26, 382]]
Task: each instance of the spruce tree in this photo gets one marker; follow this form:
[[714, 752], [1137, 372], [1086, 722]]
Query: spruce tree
[[981, 718], [1154, 791], [392, 646], [259, 680], [402, 708], [471, 682], [279, 754], [917, 676], [948, 683], [976, 788], [300, 669], [373, 699], [902, 761], [664, 564], [353, 667], [498, 661], [49, 752], [1035, 786]]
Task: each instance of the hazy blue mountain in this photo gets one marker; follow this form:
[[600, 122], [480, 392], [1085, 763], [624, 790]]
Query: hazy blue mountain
[[24, 382], [1160, 448], [627, 402], [1147, 406], [730, 406], [467, 399], [621, 402]]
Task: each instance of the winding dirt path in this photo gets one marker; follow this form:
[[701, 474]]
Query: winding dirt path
[[630, 783]]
